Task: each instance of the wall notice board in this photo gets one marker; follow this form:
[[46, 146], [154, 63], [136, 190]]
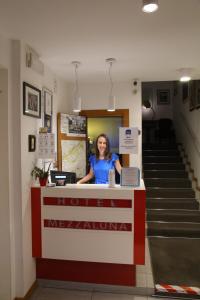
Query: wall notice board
[[72, 143]]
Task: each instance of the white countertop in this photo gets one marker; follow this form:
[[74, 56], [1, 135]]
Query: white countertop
[[98, 186], [91, 190]]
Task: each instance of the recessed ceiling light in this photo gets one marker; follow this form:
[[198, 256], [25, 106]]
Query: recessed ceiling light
[[150, 6], [185, 78], [185, 74]]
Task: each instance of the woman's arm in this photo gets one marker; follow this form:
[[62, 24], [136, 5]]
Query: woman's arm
[[86, 178], [118, 166]]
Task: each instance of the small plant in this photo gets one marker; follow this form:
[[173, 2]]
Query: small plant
[[40, 172]]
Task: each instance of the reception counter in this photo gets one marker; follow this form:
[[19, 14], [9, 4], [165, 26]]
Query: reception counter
[[88, 233]]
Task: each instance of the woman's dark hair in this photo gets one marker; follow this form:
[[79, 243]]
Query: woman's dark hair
[[107, 150]]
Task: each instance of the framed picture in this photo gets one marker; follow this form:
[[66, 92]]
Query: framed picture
[[192, 97], [163, 97], [175, 85], [197, 94], [48, 123], [185, 91], [31, 101], [31, 143], [48, 109]]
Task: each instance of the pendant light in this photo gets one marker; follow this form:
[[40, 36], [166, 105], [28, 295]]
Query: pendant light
[[149, 6], [77, 97], [111, 98]]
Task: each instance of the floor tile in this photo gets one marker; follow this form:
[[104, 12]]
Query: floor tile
[[111, 296], [136, 297], [141, 280], [60, 294], [157, 298], [150, 282]]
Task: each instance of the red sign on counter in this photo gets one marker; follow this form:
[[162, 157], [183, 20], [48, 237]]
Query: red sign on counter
[[118, 203], [113, 226]]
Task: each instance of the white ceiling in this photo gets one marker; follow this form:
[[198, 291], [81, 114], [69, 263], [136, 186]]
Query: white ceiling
[[147, 46]]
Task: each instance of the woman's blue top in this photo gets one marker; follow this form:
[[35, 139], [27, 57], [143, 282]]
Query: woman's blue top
[[101, 167]]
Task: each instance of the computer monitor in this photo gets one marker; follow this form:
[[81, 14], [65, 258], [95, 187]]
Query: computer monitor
[[62, 177]]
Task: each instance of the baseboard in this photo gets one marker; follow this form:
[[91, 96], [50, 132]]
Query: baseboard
[[29, 293]]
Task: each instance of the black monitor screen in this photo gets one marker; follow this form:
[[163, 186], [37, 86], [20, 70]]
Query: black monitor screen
[[68, 177]]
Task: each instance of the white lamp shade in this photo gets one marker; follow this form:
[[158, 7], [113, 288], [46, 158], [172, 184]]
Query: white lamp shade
[[77, 104], [111, 103]]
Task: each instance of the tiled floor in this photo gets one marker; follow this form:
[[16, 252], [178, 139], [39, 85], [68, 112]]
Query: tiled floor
[[57, 290], [61, 294]]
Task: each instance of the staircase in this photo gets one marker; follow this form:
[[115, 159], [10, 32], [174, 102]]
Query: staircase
[[173, 219]]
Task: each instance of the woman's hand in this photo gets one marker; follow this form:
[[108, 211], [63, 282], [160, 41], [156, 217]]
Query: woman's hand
[[86, 178], [118, 166]]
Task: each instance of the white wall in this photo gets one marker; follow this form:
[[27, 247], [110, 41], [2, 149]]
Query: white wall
[[15, 169], [31, 125], [5, 246], [16, 256], [95, 96], [187, 126], [10, 164], [161, 111], [16, 263]]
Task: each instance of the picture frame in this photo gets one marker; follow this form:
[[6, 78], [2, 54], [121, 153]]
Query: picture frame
[[175, 87], [31, 101], [48, 109], [197, 94], [192, 98], [163, 97], [185, 91], [31, 143], [48, 123]]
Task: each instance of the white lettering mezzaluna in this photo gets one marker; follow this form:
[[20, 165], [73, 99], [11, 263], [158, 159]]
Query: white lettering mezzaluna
[[88, 225]]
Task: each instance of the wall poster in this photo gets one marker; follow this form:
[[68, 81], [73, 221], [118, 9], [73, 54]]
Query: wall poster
[[46, 145], [128, 140]]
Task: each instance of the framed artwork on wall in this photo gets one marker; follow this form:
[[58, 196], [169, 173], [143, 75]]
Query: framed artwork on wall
[[31, 101], [31, 143], [163, 97], [185, 91], [48, 109], [197, 94], [192, 97], [175, 86]]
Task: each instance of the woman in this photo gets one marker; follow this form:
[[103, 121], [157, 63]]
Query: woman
[[102, 161]]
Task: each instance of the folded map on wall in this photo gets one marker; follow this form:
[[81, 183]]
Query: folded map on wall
[[74, 157]]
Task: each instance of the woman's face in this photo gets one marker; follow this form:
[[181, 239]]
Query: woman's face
[[101, 144]]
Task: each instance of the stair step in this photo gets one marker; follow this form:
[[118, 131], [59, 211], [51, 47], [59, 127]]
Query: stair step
[[168, 182], [165, 174], [172, 203], [173, 215], [169, 192], [163, 166], [162, 159], [159, 146], [161, 152], [172, 229]]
